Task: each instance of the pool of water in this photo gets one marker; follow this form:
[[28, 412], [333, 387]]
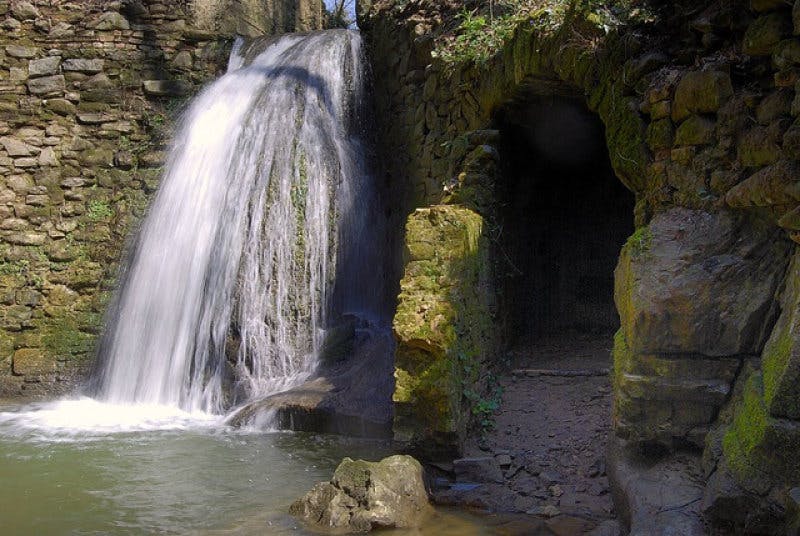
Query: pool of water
[[81, 467]]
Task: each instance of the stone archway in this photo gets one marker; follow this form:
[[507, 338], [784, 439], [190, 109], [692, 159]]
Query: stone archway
[[565, 217]]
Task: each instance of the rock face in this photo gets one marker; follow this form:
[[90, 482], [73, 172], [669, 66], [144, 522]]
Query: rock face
[[363, 496], [351, 392]]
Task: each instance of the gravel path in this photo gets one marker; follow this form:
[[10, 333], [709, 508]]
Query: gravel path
[[549, 440]]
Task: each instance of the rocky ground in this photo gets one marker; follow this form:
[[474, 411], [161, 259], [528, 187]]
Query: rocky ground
[[544, 460]]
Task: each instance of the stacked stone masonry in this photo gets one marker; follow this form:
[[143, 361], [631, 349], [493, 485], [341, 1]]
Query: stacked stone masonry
[[89, 91], [700, 108]]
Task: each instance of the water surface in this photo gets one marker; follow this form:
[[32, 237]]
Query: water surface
[[82, 467]]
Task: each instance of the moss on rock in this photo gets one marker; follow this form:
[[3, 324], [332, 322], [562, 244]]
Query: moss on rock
[[443, 323]]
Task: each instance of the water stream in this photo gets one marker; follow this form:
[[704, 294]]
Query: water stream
[[265, 228]]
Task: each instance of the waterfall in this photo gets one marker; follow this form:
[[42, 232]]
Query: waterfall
[[263, 231]]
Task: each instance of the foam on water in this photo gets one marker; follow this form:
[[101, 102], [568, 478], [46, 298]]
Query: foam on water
[[82, 419]]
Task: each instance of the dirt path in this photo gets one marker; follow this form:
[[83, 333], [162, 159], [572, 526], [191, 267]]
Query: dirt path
[[549, 440]]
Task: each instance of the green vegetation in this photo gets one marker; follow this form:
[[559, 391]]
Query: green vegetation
[[640, 241], [99, 211], [63, 338], [483, 31]]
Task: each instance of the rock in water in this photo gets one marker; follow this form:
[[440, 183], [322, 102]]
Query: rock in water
[[363, 496]]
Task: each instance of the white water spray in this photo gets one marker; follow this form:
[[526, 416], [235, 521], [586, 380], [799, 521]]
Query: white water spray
[[265, 203]]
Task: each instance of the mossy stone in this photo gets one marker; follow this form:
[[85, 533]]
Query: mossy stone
[[759, 448], [696, 130], [701, 92], [781, 355], [765, 33]]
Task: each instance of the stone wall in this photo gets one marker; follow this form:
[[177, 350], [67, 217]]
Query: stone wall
[[88, 94], [700, 107]]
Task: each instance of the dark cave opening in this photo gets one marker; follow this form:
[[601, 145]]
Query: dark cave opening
[[564, 218]]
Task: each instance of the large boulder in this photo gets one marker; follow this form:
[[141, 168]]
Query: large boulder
[[702, 283], [363, 496], [695, 292]]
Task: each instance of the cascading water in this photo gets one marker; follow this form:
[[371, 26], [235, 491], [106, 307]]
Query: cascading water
[[266, 225]]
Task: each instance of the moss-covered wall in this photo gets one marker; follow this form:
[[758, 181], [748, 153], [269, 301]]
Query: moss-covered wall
[[700, 106], [88, 94]]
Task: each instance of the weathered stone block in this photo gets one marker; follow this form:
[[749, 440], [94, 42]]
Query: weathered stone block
[[660, 134], [756, 148], [668, 399], [109, 21], [362, 496], [166, 88], [696, 130], [15, 147], [796, 17], [774, 106], [20, 51], [701, 92], [83, 65], [786, 54], [775, 185], [48, 85], [32, 362], [44, 67], [694, 282], [60, 106], [765, 33], [23, 10]]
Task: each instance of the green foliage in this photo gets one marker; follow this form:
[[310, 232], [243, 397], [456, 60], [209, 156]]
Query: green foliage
[[640, 241], [483, 31], [99, 211], [63, 337]]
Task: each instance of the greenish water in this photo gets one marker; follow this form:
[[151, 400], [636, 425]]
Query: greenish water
[[73, 469]]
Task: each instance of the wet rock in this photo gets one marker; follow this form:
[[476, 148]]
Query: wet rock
[[656, 497], [363, 496], [544, 511], [484, 469], [166, 88]]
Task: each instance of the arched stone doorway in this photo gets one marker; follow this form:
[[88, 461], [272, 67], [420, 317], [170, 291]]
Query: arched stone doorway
[[564, 217]]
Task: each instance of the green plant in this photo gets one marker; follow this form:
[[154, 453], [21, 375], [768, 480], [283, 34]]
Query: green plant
[[640, 241], [99, 211]]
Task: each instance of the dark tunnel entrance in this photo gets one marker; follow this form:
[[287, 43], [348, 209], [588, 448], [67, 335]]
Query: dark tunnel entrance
[[565, 217]]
